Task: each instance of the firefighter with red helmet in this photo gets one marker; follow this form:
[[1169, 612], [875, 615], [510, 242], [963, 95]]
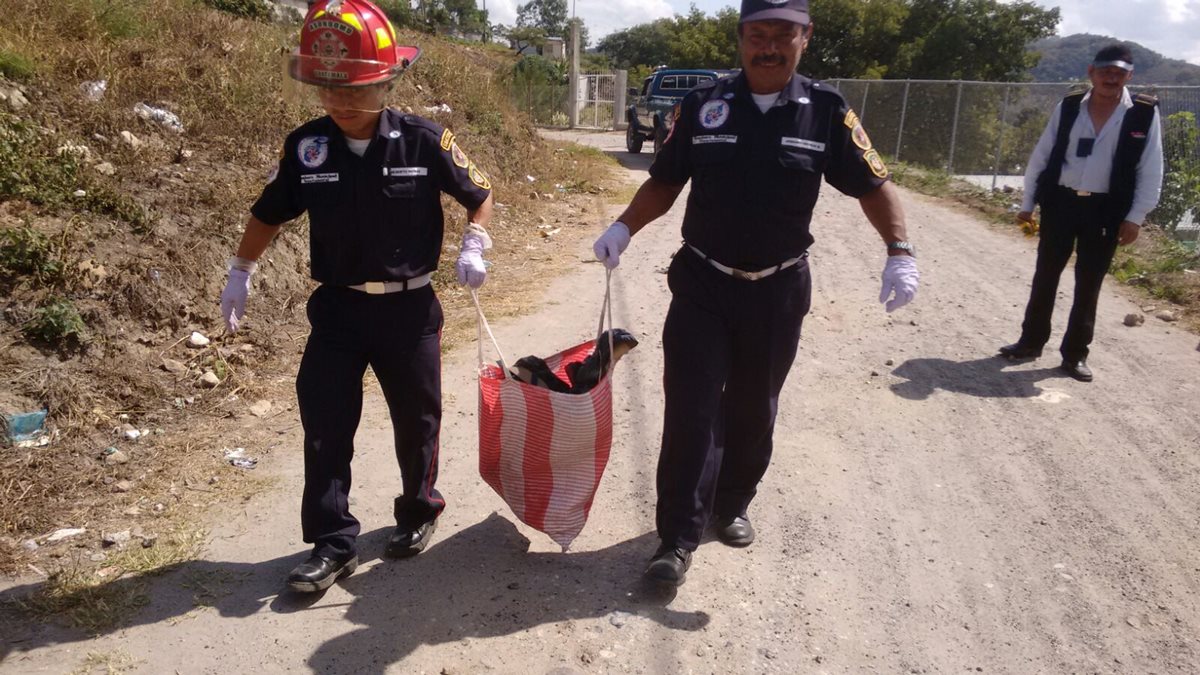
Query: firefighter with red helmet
[[370, 179]]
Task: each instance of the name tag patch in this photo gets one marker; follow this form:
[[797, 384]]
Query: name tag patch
[[405, 171], [318, 178], [804, 143], [714, 138]]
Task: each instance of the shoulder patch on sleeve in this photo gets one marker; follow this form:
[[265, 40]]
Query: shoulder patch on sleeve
[[875, 163], [459, 157], [479, 177], [447, 139], [851, 119]]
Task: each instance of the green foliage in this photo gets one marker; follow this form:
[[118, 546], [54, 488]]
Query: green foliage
[[917, 39], [399, 12], [539, 70], [34, 173], [247, 9], [549, 15], [56, 322], [1181, 184], [14, 66], [25, 252], [30, 172]]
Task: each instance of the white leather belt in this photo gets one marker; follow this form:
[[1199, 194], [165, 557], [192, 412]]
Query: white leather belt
[[381, 287], [743, 274]]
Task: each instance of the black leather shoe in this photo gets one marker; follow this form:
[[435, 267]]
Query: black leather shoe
[[669, 565], [1020, 351], [318, 573], [406, 543], [735, 531], [1077, 369]]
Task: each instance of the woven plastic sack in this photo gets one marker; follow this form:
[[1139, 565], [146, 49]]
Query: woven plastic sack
[[544, 452]]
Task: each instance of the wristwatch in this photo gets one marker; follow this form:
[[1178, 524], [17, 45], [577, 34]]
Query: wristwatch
[[903, 246]]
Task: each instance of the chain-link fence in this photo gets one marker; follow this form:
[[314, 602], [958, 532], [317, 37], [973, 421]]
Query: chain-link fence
[[985, 132]]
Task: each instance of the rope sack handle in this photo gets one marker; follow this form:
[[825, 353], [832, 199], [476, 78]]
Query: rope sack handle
[[605, 308]]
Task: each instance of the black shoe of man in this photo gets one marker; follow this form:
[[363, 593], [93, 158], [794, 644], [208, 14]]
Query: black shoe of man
[[737, 532], [1078, 369], [318, 573], [406, 542], [1020, 351], [669, 565]]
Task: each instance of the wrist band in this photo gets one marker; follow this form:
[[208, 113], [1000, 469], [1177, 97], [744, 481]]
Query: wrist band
[[244, 264]]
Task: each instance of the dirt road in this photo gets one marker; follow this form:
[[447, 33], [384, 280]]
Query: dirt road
[[930, 508]]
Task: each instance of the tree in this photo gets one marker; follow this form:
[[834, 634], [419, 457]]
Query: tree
[[522, 36], [646, 44], [549, 15], [1181, 183], [583, 36]]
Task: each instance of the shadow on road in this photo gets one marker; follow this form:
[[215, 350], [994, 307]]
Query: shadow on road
[[638, 162], [985, 378], [480, 582]]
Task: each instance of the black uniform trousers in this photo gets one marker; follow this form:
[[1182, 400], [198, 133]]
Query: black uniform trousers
[[1070, 222], [728, 345], [399, 336]]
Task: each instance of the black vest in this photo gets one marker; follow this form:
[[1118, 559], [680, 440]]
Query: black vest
[[1131, 144]]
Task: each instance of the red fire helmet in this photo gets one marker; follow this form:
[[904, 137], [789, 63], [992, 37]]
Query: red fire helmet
[[348, 43]]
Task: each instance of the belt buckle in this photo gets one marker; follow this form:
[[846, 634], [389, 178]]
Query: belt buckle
[[744, 275], [1082, 193], [375, 287]]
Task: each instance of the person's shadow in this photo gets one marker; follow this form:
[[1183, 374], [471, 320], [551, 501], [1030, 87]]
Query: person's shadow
[[479, 582], [985, 378], [635, 162], [482, 582]]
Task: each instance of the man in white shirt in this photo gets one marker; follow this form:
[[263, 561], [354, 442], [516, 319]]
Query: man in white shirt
[[1096, 172]]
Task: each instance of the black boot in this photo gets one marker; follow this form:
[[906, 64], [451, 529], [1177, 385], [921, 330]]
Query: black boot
[[318, 573], [735, 531], [406, 542], [669, 565]]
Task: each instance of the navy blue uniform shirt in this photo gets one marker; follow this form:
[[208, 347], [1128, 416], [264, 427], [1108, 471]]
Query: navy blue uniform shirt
[[377, 217], [755, 176]]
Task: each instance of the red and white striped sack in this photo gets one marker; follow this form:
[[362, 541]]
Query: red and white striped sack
[[544, 452]]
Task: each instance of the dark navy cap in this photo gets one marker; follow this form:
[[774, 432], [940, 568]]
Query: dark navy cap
[[795, 11]]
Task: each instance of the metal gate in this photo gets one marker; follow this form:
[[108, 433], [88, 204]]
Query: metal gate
[[596, 98]]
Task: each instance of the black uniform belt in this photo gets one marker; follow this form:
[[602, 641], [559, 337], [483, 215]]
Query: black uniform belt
[[745, 274], [380, 287]]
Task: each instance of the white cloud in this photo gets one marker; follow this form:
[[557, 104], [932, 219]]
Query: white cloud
[[600, 16]]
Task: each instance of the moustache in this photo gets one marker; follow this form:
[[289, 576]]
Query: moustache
[[767, 60]]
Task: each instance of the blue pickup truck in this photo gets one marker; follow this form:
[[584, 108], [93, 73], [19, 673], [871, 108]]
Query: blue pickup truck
[[650, 112]]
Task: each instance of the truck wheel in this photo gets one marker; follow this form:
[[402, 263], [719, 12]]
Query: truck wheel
[[633, 139]]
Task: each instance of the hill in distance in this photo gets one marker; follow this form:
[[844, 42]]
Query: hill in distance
[[1065, 59]]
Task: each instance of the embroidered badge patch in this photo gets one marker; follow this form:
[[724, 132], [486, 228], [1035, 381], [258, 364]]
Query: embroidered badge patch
[[459, 157], [875, 163], [478, 177], [713, 114], [274, 174], [859, 136], [313, 151], [851, 120], [447, 139]]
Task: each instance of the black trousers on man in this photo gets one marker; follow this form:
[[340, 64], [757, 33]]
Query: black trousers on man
[[728, 345], [1070, 222], [399, 336]]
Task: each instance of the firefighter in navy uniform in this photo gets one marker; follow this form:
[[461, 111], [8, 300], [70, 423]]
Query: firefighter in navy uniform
[[1096, 172], [755, 147], [370, 179]]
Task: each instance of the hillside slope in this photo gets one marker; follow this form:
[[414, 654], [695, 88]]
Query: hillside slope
[[1065, 59], [114, 231]]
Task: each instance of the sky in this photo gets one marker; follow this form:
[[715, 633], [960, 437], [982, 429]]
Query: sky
[[1170, 27]]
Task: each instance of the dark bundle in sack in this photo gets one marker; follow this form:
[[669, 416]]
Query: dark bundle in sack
[[583, 375]]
